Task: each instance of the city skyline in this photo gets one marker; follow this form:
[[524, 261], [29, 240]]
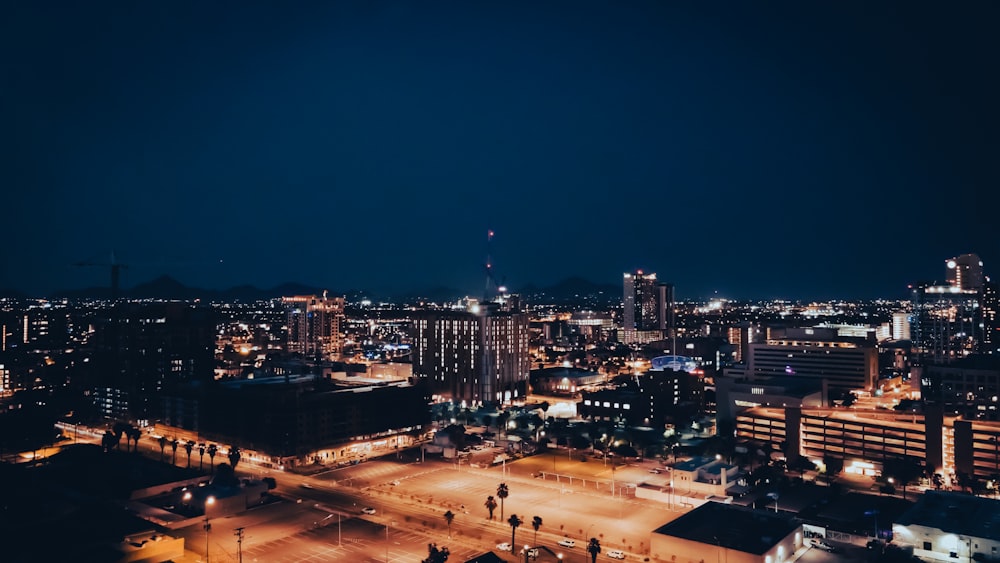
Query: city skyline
[[787, 151]]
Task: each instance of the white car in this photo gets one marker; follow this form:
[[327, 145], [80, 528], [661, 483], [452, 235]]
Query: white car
[[503, 546], [565, 542], [368, 510], [533, 553], [616, 554]]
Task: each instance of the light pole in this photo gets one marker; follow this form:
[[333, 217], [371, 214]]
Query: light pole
[[208, 525], [774, 496], [239, 544]]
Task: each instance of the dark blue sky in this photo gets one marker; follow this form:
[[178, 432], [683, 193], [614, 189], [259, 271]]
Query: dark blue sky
[[756, 149]]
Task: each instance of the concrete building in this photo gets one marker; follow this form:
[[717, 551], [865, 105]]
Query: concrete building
[[564, 381], [968, 387], [314, 325], [478, 355], [647, 307], [945, 526], [728, 534], [844, 363]]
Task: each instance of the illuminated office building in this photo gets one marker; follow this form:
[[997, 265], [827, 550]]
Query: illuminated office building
[[314, 324], [648, 306], [478, 355], [844, 363], [965, 272]]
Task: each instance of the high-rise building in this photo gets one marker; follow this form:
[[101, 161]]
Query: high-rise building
[[647, 304], [314, 324], [478, 355], [901, 326], [945, 324], [990, 303], [146, 350], [965, 272], [844, 363]]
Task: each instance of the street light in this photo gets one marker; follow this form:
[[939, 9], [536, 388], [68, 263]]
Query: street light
[[208, 525], [774, 496]]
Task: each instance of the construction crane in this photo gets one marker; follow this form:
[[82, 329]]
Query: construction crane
[[116, 268]]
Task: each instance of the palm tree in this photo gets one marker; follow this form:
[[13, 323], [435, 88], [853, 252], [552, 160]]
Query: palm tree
[[136, 434], [163, 445], [212, 450], [502, 493], [593, 548], [173, 448], [235, 455], [448, 517], [490, 505], [188, 447], [514, 522], [201, 462], [536, 523]]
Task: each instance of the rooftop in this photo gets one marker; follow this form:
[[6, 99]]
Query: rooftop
[[956, 513], [744, 529]]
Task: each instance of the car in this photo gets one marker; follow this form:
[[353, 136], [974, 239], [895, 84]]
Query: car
[[395, 483], [503, 546], [368, 510], [825, 546], [566, 542], [655, 471], [533, 553], [616, 554]]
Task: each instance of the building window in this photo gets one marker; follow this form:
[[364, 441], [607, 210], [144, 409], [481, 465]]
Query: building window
[[927, 546]]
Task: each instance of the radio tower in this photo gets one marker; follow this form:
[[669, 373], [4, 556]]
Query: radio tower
[[491, 278]]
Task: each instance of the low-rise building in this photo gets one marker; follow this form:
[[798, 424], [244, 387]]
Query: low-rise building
[[736, 535], [947, 526]]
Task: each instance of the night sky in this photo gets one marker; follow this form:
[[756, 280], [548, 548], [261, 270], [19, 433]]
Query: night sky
[[756, 149]]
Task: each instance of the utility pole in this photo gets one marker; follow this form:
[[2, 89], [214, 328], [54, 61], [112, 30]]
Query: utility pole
[[239, 544]]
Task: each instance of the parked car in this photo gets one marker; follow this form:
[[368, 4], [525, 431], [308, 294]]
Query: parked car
[[566, 542], [654, 470], [503, 546], [616, 554], [533, 553], [368, 510], [825, 546]]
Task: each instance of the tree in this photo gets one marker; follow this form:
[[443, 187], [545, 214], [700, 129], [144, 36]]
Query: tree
[[212, 450], [514, 522], [201, 458], [173, 449], [502, 419], [536, 523], [235, 455], [109, 441], [136, 434], [448, 517], [903, 471], [163, 445], [435, 555], [188, 447], [491, 505], [594, 548], [502, 493]]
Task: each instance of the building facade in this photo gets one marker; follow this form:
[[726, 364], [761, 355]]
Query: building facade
[[845, 363], [479, 355], [647, 304], [314, 325]]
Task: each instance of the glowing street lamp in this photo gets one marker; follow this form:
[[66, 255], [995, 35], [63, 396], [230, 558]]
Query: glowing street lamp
[[208, 525]]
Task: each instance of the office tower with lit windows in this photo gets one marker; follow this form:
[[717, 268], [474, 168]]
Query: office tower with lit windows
[[843, 363], [989, 303], [948, 319], [144, 351], [314, 325], [648, 307], [474, 356], [965, 272]]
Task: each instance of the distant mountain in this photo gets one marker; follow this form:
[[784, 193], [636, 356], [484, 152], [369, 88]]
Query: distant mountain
[[440, 294], [166, 287], [573, 290], [12, 294]]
